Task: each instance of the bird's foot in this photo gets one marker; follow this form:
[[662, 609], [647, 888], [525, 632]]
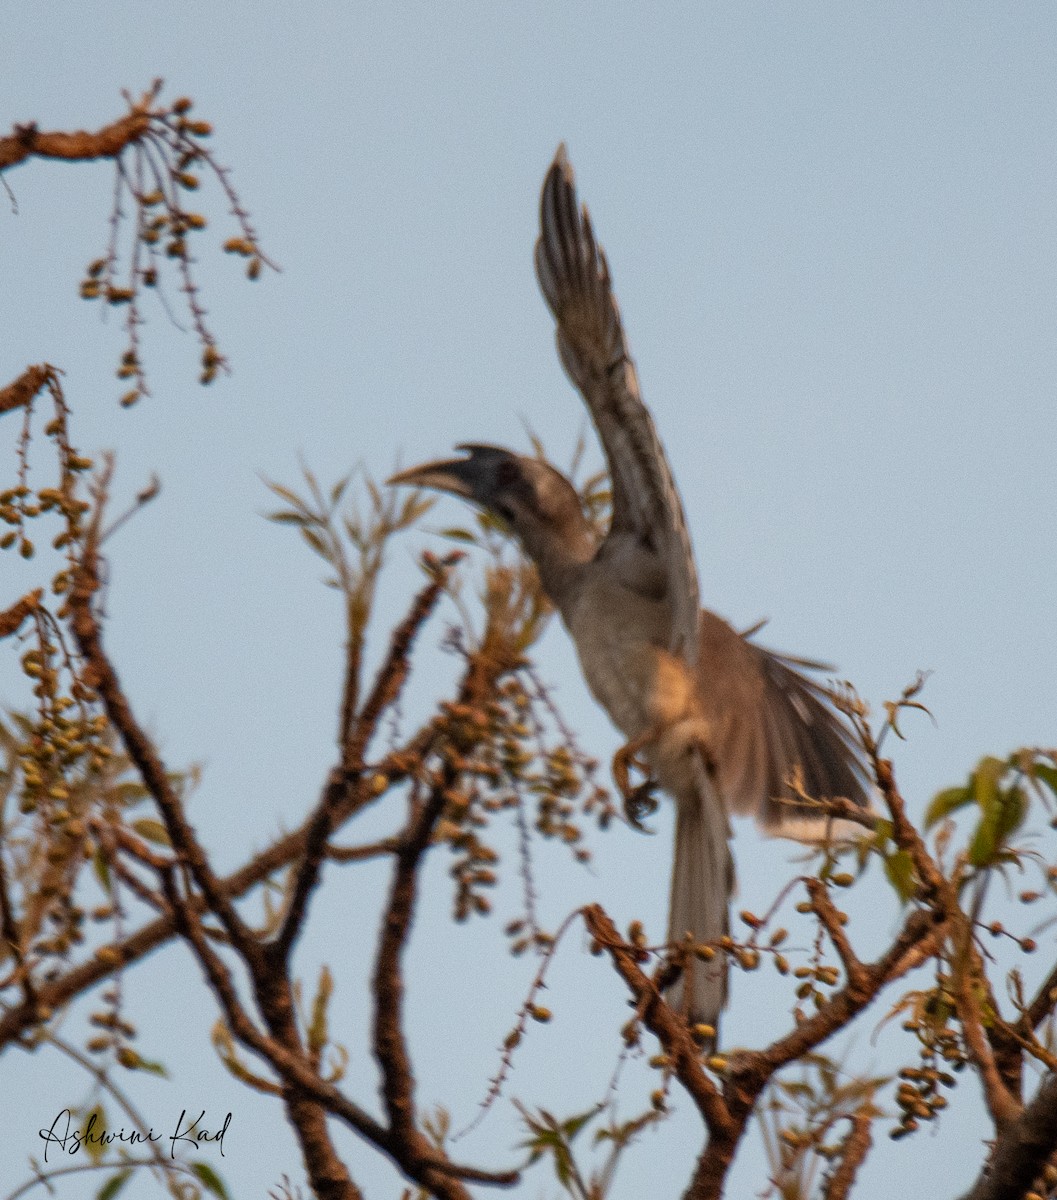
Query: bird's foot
[[638, 798], [639, 803]]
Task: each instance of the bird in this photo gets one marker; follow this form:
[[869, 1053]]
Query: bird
[[719, 723]]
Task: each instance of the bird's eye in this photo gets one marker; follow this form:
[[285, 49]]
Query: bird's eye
[[504, 510]]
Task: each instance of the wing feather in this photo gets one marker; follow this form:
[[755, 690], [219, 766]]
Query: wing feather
[[574, 278], [770, 719], [809, 734]]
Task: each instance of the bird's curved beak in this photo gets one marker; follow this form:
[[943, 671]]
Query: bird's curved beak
[[454, 475], [477, 477]]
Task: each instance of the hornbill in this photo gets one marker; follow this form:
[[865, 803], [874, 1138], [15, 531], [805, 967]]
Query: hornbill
[[722, 724]]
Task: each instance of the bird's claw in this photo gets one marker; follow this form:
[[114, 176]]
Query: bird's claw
[[639, 803]]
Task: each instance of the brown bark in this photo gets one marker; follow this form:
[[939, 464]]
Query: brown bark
[[27, 141]]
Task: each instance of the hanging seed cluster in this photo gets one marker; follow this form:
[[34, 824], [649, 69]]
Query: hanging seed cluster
[[114, 1031], [512, 765], [918, 1095], [62, 826], [60, 768], [155, 177], [932, 1019], [63, 745], [23, 504]]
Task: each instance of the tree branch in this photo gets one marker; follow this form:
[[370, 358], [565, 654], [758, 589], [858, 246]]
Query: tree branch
[[27, 141], [328, 1175], [22, 390], [11, 619], [388, 683], [724, 1126], [968, 975], [1022, 1149], [359, 792], [826, 911], [856, 1147], [920, 938], [100, 673]]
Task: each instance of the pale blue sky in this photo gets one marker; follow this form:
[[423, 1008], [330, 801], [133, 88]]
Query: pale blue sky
[[832, 234]]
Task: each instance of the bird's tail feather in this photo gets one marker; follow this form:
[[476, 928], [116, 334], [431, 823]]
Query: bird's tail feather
[[702, 883]]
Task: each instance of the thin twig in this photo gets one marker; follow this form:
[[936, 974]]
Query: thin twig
[[103, 677], [854, 1151], [390, 679]]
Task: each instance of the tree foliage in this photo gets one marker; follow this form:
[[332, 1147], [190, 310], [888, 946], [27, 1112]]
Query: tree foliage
[[99, 863]]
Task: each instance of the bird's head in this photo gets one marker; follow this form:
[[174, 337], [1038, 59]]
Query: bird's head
[[536, 501]]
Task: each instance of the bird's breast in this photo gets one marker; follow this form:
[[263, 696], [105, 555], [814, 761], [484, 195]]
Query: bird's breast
[[621, 639]]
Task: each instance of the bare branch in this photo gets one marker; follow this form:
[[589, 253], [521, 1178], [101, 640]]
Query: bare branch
[[390, 679], [27, 141], [379, 849], [827, 913], [100, 672], [390, 1047], [1042, 1005], [919, 940], [670, 1029], [969, 977], [19, 393], [856, 1147], [11, 619], [1022, 1149], [359, 792], [328, 1174]]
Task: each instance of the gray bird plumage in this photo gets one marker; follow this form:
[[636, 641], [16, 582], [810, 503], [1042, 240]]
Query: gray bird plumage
[[723, 724]]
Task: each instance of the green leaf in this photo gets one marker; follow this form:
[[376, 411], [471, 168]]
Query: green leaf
[[1003, 816], [95, 1148], [946, 802], [988, 796], [459, 535], [149, 1065], [573, 1125], [151, 831], [985, 781], [1002, 810], [317, 1030], [114, 1185], [983, 843], [210, 1179], [882, 837], [1014, 810], [899, 867], [129, 793], [102, 871], [1047, 774]]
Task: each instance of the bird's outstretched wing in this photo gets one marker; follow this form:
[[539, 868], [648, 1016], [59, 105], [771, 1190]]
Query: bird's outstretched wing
[[805, 735], [771, 721], [574, 277]]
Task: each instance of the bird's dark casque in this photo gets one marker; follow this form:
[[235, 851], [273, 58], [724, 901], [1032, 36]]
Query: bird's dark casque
[[722, 724]]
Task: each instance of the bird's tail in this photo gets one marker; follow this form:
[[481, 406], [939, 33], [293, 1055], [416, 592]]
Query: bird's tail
[[702, 883]]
